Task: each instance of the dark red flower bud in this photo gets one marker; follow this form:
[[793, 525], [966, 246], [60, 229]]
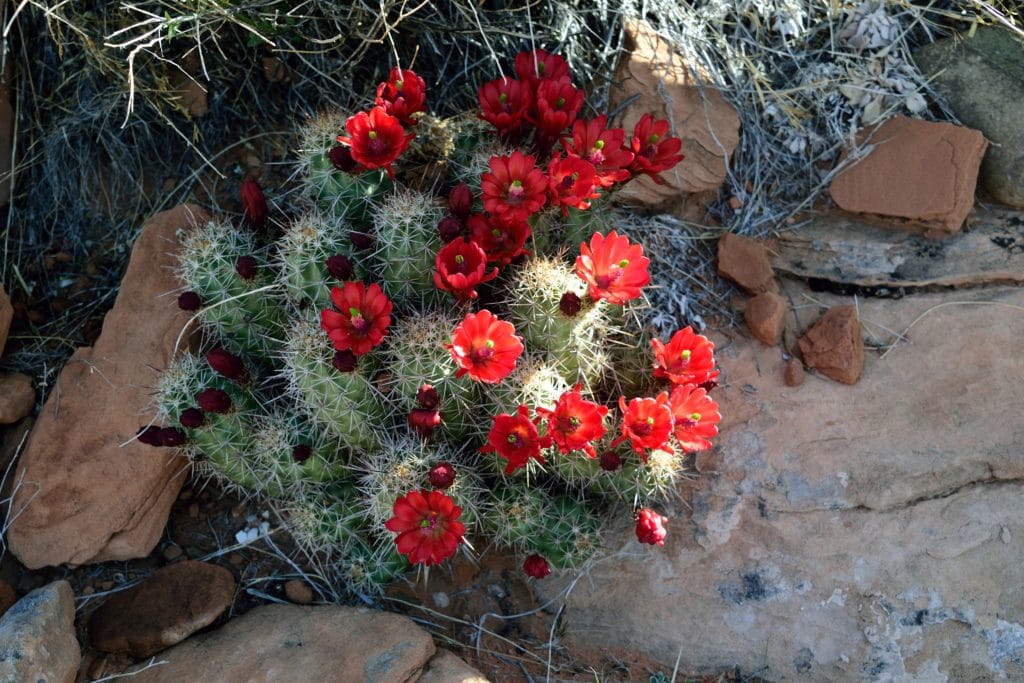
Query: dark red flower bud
[[192, 418], [610, 461], [424, 421], [214, 401], [341, 158], [460, 201], [536, 566], [360, 240], [172, 437], [302, 452], [449, 228], [650, 527], [344, 361], [245, 266], [340, 267], [227, 365], [441, 475], [150, 436], [570, 304], [189, 301], [254, 205], [428, 397]]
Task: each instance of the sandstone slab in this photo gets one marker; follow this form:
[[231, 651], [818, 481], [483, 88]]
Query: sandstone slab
[[745, 262], [445, 667], [920, 172], [765, 317], [6, 316], [867, 532], [89, 492], [981, 77], [37, 637], [292, 643], [664, 86], [17, 396], [833, 345], [171, 604]]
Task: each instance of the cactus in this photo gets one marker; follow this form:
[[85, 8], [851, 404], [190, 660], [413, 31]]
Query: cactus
[[302, 259], [327, 520], [535, 383], [406, 243], [369, 566]]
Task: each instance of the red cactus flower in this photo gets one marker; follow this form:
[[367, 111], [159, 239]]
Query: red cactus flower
[[376, 139], [696, 417], [460, 266], [603, 148], [571, 182], [402, 95], [575, 423], [227, 364], [428, 526], [502, 241], [424, 421], [363, 320], [536, 567], [536, 65], [460, 201], [688, 358], [254, 205], [515, 438], [614, 269], [441, 475], [246, 267], [653, 149], [650, 527], [214, 401], [646, 422], [505, 103], [485, 347], [558, 103], [515, 188]]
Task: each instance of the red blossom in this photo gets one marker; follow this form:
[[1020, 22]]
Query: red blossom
[[515, 438], [376, 139], [570, 304], [485, 347], [424, 421], [610, 461], [362, 318], [575, 423], [536, 567], [254, 205], [603, 148], [402, 95], [460, 266], [515, 188], [558, 103], [150, 436], [653, 149], [696, 417], [647, 423], [428, 526], [505, 103], [193, 418], [571, 182], [441, 475], [688, 358], [172, 437], [614, 269], [650, 527], [536, 65], [502, 241]]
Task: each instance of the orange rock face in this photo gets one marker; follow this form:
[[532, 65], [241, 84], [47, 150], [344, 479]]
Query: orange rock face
[[833, 345], [745, 262], [765, 317]]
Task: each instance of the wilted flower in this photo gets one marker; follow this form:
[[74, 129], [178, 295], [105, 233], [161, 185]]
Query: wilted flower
[[536, 567], [344, 361], [246, 267], [227, 364], [341, 159], [570, 304], [428, 397], [172, 437], [650, 527], [449, 228], [189, 301], [150, 436], [214, 401], [302, 452], [193, 418], [339, 267]]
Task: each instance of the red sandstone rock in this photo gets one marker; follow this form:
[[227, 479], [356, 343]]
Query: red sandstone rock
[[745, 262], [833, 345], [765, 317], [298, 592], [17, 396], [919, 171]]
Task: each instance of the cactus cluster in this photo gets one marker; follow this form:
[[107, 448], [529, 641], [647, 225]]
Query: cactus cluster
[[408, 372]]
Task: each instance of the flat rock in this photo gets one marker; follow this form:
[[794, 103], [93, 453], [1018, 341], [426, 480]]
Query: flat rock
[[765, 317], [91, 493], [170, 605], [919, 172], [664, 86], [37, 637], [6, 316], [867, 532], [981, 77], [745, 262], [17, 396], [852, 250], [445, 667], [833, 345], [292, 643]]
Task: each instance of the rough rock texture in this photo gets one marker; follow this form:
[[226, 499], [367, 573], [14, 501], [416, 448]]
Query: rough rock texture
[[445, 667], [17, 396], [90, 492], [921, 172], [298, 591], [291, 643], [745, 262], [794, 374], [6, 315], [855, 533], [37, 637], [833, 346], [766, 317], [981, 76], [7, 597], [707, 124], [170, 605]]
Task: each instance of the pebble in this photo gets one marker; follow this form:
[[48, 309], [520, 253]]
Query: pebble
[[298, 592]]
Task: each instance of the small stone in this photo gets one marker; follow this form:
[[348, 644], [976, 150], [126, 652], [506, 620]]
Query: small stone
[[186, 494], [298, 592], [745, 262], [17, 396], [173, 552], [765, 317], [275, 70], [833, 345], [735, 203], [794, 373], [441, 599], [37, 637], [88, 590], [7, 597]]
